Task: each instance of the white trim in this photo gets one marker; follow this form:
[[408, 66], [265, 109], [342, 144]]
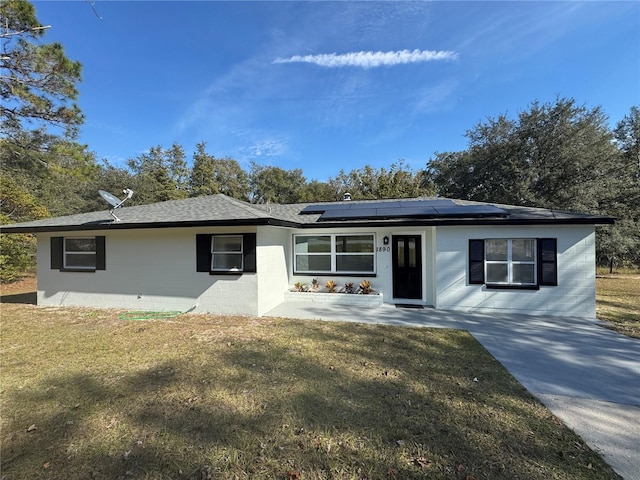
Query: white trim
[[423, 275], [79, 267], [223, 253], [509, 262], [334, 254]]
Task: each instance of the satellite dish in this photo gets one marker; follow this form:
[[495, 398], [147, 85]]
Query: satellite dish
[[114, 201]]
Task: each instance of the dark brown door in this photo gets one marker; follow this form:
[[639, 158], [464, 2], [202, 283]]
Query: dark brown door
[[407, 266]]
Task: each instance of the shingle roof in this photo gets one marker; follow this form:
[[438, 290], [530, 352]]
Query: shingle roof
[[220, 210]]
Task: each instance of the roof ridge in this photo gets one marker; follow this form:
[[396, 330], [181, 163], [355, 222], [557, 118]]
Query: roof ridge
[[244, 205]]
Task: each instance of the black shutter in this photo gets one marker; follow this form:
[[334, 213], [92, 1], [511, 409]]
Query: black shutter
[[547, 261], [101, 256], [203, 252], [56, 253], [249, 249], [476, 262]]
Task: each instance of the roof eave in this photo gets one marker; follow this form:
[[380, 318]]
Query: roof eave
[[467, 222], [143, 225], [599, 220]]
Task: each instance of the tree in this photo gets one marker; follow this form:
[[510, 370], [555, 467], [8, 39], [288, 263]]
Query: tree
[[162, 175], [569, 156], [275, 185], [316, 191], [627, 135], [620, 243], [368, 183], [17, 252], [211, 175], [556, 155], [37, 81]]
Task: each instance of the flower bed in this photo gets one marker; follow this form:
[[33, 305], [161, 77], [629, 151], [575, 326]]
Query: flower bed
[[371, 300]]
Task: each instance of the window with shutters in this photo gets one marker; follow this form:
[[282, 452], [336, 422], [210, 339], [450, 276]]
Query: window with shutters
[[78, 254], [226, 254], [513, 263]]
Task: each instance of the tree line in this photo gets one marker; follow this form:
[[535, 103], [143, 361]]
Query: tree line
[[558, 155]]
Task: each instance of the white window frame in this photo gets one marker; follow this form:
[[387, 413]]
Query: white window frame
[[79, 267], [510, 262], [334, 254], [214, 253]]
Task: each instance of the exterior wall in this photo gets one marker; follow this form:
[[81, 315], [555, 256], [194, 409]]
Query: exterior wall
[[156, 270], [148, 270], [272, 251], [382, 282], [574, 295]]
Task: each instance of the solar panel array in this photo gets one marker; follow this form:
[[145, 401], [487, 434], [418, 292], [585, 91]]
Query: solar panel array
[[436, 208]]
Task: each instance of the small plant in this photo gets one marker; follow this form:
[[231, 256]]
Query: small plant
[[331, 286], [348, 287], [299, 287], [315, 285], [365, 287]]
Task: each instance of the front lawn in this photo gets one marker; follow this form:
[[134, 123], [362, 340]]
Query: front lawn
[[618, 302], [85, 394]]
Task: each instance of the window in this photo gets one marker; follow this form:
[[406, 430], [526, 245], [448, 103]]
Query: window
[[516, 263], [510, 262], [226, 253], [78, 254], [344, 254]]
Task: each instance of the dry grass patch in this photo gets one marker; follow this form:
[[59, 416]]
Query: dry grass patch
[[618, 302], [87, 395]]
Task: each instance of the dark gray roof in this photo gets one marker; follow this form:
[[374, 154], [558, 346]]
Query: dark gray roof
[[220, 210]]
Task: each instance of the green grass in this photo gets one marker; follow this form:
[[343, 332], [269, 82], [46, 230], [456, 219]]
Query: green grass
[[618, 302], [87, 395]]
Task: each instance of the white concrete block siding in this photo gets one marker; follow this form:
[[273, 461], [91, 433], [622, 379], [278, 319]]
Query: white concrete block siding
[[272, 250], [155, 269], [574, 295], [148, 269]]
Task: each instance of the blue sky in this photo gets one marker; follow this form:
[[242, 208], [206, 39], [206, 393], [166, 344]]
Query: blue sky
[[324, 86]]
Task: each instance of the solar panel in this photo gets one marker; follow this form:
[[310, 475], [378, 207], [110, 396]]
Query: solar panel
[[352, 213], [431, 208], [321, 208], [470, 211]]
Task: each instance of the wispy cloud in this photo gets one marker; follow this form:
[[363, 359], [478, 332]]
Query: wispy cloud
[[265, 148], [371, 59]]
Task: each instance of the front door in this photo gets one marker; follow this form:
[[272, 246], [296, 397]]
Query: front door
[[407, 266]]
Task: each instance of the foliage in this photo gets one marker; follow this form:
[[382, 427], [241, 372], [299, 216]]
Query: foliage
[[269, 184], [316, 191], [368, 183], [17, 252], [365, 287], [210, 175], [55, 170], [162, 174], [38, 81], [331, 286]]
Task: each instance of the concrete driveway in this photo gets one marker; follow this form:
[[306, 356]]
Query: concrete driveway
[[588, 376]]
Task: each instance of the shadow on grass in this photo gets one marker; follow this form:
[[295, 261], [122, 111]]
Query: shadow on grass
[[373, 402], [29, 298]]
